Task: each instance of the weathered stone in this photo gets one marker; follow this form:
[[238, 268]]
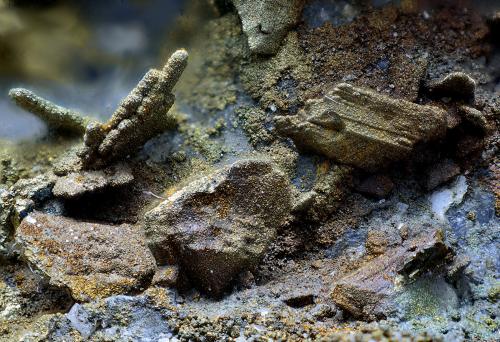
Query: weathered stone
[[457, 267], [83, 182], [67, 162], [322, 311], [166, 276], [379, 240], [362, 128], [221, 225], [367, 292], [326, 194], [267, 22], [441, 173], [54, 116], [378, 186], [457, 85], [92, 260], [474, 116], [141, 115], [38, 188]]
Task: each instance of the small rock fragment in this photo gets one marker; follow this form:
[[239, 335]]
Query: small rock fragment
[[474, 116], [441, 173], [367, 292], [54, 116], [93, 260], [362, 128], [379, 240], [425, 253], [267, 22], [457, 85], [141, 115], [326, 194], [456, 268], [322, 311], [378, 186], [221, 225], [80, 183], [166, 276]]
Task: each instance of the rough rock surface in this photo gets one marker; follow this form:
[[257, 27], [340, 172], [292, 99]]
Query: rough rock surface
[[362, 128], [83, 182], [167, 276], [267, 22], [367, 292], [56, 117], [93, 260], [141, 115], [441, 173], [325, 195], [5, 222], [474, 116], [37, 189], [221, 225], [378, 241]]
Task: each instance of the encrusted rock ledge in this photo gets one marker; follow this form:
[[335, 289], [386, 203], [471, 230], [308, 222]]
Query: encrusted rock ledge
[[362, 128]]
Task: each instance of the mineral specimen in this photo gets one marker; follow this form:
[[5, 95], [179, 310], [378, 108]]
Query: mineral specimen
[[474, 116], [367, 292], [220, 225], [457, 85], [362, 128], [267, 22], [56, 117], [93, 260], [141, 115], [77, 184]]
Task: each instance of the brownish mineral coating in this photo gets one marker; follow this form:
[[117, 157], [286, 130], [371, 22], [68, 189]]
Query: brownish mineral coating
[[366, 292], [141, 115], [389, 49], [93, 260], [221, 225], [362, 128], [80, 183], [458, 85]]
